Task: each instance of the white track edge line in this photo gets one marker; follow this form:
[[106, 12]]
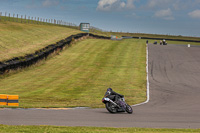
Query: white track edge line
[[147, 71]]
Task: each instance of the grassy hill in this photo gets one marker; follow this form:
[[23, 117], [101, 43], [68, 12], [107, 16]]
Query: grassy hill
[[80, 75], [18, 39]]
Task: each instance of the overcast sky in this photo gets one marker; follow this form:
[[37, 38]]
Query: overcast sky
[[174, 17]]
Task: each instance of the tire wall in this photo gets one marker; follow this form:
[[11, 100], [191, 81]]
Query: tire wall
[[30, 59]]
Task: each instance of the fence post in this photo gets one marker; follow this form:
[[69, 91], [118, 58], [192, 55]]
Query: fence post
[[17, 17], [28, 18], [9, 17], [0, 15], [31, 20], [38, 20], [13, 17], [25, 18], [21, 18], [5, 16]]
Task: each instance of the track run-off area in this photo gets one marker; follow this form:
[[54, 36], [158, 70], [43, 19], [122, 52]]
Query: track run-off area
[[174, 77]]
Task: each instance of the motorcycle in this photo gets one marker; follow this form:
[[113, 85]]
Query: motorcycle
[[120, 106]]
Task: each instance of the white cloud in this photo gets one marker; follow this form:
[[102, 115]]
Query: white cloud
[[49, 3], [122, 5], [113, 5], [105, 5], [130, 4], [195, 14], [164, 14]]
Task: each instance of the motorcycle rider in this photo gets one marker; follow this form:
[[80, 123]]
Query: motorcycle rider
[[113, 95]]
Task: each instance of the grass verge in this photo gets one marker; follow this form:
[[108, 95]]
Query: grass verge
[[80, 75], [61, 129]]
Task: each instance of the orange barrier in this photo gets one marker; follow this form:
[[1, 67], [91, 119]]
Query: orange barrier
[[10, 100], [3, 99], [13, 100]]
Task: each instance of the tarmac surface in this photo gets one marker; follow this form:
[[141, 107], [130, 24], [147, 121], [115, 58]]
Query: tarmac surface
[[174, 76]]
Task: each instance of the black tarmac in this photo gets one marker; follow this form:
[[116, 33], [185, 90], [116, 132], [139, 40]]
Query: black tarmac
[[174, 75]]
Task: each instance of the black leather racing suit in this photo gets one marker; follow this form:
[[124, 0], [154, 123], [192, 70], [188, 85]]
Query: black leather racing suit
[[113, 95]]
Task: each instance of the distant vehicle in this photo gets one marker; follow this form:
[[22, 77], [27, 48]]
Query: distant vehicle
[[113, 37], [155, 42], [164, 42]]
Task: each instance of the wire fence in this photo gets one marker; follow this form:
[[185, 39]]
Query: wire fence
[[4, 16]]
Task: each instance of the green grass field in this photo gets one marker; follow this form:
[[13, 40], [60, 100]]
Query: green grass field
[[80, 75], [60, 129], [19, 39]]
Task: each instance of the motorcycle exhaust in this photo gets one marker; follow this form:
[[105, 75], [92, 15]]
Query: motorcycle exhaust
[[114, 103]]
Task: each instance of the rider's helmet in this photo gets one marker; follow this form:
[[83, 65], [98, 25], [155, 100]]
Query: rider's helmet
[[109, 89]]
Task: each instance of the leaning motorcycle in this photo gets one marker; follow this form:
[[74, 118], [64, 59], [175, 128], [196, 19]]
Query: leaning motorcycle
[[120, 106]]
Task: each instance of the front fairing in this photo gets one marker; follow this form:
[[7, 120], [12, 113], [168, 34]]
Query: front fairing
[[105, 99]]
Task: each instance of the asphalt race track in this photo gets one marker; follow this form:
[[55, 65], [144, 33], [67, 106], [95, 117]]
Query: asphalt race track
[[174, 75]]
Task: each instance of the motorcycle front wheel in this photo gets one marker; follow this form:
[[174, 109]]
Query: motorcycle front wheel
[[111, 107], [129, 109]]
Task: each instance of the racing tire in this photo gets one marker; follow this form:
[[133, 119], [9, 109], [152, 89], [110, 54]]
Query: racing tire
[[111, 107], [129, 109]]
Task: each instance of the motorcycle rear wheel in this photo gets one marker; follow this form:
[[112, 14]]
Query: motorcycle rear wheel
[[111, 107], [129, 109]]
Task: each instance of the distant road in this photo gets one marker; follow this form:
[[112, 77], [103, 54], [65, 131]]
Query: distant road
[[174, 74]]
